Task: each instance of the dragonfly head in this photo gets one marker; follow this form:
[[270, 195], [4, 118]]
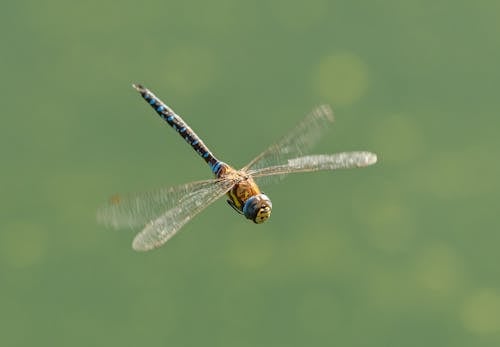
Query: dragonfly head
[[258, 208]]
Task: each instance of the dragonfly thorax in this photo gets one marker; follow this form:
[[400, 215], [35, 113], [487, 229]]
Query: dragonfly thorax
[[245, 196], [258, 208]]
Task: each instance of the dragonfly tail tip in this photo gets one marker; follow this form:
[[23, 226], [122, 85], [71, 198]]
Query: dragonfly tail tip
[[138, 87]]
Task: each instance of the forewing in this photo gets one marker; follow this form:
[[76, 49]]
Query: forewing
[[135, 210], [297, 142], [310, 163], [161, 229]]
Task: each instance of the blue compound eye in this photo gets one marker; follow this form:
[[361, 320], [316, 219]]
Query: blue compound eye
[[258, 208]]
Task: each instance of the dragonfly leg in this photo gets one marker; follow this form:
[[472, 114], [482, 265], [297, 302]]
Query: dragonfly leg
[[231, 203]]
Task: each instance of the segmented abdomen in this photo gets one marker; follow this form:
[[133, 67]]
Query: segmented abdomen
[[176, 122]]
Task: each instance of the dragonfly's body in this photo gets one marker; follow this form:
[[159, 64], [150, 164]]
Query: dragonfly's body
[[244, 190], [164, 212]]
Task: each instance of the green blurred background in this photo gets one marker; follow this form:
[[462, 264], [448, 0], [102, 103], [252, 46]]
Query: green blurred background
[[404, 253]]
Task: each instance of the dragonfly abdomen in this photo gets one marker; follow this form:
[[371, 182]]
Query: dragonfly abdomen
[[178, 124]]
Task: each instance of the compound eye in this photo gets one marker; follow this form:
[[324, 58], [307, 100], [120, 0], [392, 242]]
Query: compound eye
[[258, 208]]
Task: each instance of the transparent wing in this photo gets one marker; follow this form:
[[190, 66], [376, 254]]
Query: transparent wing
[[163, 228], [298, 142], [310, 163], [135, 210], [175, 206]]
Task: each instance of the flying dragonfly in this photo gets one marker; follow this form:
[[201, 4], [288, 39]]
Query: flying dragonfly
[[162, 213]]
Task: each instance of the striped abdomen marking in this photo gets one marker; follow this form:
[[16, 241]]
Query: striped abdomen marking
[[181, 127]]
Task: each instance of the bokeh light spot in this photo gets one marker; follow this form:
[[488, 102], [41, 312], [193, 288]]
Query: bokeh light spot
[[341, 78], [481, 312]]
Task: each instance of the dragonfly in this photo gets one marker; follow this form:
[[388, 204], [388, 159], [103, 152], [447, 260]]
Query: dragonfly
[[163, 212]]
